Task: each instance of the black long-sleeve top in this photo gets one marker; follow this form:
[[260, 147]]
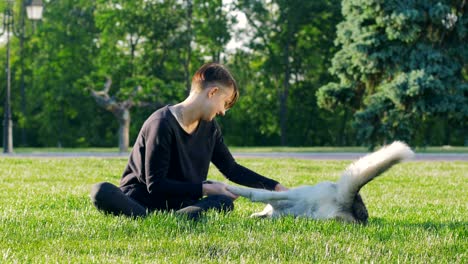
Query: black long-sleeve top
[[171, 163]]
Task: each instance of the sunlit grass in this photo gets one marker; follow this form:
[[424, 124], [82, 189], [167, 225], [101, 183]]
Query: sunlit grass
[[418, 214]]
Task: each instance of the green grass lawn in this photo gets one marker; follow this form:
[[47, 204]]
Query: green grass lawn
[[418, 214]]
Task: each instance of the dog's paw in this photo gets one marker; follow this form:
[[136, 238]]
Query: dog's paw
[[267, 212], [259, 215]]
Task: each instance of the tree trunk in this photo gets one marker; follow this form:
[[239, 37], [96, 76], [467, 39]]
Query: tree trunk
[[466, 140], [341, 139], [22, 85], [448, 132], [121, 110], [124, 130], [188, 82], [284, 95], [7, 122]]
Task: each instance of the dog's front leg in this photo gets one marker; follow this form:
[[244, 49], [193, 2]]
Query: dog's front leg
[[258, 195]]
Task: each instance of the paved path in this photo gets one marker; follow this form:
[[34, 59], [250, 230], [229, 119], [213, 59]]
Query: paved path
[[349, 156], [279, 155]]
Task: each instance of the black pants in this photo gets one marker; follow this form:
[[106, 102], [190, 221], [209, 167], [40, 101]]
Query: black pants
[[110, 199]]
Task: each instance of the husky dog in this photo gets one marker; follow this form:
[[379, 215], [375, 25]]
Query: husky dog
[[329, 200]]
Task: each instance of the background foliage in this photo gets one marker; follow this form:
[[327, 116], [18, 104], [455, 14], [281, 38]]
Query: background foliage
[[311, 72], [400, 64]]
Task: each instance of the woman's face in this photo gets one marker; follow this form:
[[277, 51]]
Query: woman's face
[[219, 99]]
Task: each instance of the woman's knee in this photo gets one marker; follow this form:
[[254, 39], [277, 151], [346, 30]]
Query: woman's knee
[[225, 202], [101, 191], [110, 199]]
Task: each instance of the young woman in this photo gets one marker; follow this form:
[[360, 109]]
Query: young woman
[[169, 163]]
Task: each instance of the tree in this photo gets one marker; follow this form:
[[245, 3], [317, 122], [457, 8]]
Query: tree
[[59, 54], [134, 44], [400, 64], [252, 121], [121, 110], [279, 30], [211, 28], [206, 33]]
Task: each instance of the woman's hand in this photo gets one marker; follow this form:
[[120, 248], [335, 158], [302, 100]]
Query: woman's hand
[[217, 188], [280, 188]]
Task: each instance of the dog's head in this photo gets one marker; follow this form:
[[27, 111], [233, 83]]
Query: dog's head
[[359, 210]]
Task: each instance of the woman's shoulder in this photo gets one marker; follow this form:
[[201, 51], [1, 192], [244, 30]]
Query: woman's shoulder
[[160, 117], [161, 113]]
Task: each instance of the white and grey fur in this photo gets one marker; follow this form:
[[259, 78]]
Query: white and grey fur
[[329, 200]]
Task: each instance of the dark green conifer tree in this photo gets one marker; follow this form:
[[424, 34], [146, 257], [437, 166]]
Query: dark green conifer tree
[[401, 64]]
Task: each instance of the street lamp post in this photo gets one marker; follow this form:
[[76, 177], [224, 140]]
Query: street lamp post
[[34, 10]]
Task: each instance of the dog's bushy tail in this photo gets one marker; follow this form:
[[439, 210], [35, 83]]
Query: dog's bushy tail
[[367, 168]]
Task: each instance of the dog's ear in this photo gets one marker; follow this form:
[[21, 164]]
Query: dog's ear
[[359, 210]]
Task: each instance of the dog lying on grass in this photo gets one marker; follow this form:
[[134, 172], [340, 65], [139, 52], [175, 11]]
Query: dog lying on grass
[[329, 200]]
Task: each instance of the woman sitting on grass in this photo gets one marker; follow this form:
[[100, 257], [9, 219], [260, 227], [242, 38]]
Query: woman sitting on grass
[[169, 163]]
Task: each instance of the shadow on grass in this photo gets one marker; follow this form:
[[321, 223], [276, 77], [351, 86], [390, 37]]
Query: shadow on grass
[[428, 225]]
